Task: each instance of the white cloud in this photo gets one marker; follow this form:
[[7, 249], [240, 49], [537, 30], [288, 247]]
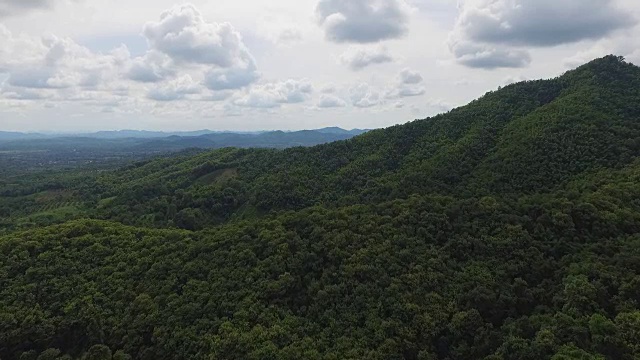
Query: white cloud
[[24, 94], [231, 78], [206, 55], [485, 56], [364, 96], [363, 21], [16, 50], [55, 66], [360, 58], [176, 89], [539, 22], [184, 35], [189, 40], [408, 91], [330, 101], [408, 84], [79, 76], [407, 76], [273, 95], [154, 66], [32, 78], [490, 34]]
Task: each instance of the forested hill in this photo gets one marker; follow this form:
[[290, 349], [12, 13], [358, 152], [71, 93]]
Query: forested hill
[[527, 138], [506, 229]]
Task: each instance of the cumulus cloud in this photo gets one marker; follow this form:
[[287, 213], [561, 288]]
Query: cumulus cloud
[[488, 57], [407, 91], [407, 76], [188, 59], [491, 33], [330, 101], [273, 95], [19, 50], [231, 78], [358, 59], [33, 79], [75, 65], [539, 22], [184, 35], [187, 38], [364, 96], [154, 66], [59, 70], [176, 89], [363, 21], [53, 63], [409, 83]]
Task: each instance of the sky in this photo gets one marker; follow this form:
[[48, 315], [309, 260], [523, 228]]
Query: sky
[[89, 65]]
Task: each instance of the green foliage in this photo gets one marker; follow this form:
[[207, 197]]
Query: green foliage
[[98, 352], [571, 352], [505, 229]]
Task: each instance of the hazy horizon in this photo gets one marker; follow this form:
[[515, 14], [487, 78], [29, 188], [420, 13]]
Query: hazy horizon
[[80, 132]]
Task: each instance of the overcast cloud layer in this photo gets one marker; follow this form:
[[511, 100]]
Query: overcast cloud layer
[[74, 65]]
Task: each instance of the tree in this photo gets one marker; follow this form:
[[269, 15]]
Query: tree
[[98, 352]]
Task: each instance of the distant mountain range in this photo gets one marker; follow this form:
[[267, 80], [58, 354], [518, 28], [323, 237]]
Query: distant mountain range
[[159, 142], [144, 134], [9, 135], [271, 139]]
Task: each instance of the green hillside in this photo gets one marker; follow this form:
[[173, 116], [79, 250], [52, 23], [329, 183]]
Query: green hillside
[[527, 138], [505, 229]]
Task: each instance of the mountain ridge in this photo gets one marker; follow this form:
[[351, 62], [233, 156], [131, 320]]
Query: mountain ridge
[[149, 134], [471, 146]]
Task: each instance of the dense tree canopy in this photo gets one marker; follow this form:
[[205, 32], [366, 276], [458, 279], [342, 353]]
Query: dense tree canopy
[[505, 229]]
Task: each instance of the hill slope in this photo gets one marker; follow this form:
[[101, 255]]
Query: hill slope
[[505, 229], [527, 138]]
